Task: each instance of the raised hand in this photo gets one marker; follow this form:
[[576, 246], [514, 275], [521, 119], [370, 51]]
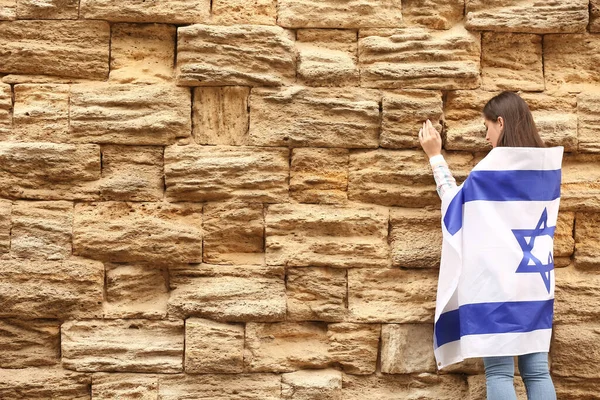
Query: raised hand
[[430, 139]]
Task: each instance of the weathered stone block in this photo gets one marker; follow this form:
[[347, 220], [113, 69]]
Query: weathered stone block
[[220, 387], [220, 115], [588, 117], [234, 12], [213, 347], [567, 66], [407, 349], [580, 189], [173, 12], [391, 387], [575, 351], [415, 237], [112, 386], [321, 384], [575, 293], [435, 14], [29, 343], [42, 384], [587, 240], [354, 346], [5, 224], [319, 175], [52, 9]]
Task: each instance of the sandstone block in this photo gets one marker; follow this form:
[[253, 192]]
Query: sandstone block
[[406, 348], [29, 343], [575, 352], [575, 293], [77, 49], [594, 16], [244, 55], [234, 12], [296, 116], [286, 346], [300, 235], [399, 177], [354, 346], [575, 388], [42, 229], [403, 114], [171, 12], [123, 345], [129, 114], [587, 240], [391, 387], [49, 171], [228, 293], [5, 225], [512, 61], [220, 115], [6, 110], [564, 241], [316, 294], [329, 14], [528, 16], [8, 10], [142, 53], [319, 175], [418, 58], [322, 384], [391, 295], [234, 233], [110, 386], [580, 190], [53, 9], [135, 291], [209, 173], [213, 347], [435, 14], [588, 116], [220, 387], [132, 173], [42, 384], [158, 233], [51, 289], [415, 237], [567, 66]]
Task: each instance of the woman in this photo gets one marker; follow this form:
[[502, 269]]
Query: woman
[[509, 123]]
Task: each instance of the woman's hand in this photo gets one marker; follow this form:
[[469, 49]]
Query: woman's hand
[[430, 139]]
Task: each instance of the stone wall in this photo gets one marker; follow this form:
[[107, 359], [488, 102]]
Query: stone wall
[[225, 199]]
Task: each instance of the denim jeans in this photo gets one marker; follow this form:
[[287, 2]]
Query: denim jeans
[[499, 374]]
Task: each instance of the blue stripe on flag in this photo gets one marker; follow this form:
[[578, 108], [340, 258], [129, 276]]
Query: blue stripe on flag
[[517, 316], [518, 185]]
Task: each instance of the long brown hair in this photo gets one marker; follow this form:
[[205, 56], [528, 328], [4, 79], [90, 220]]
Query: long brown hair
[[519, 128]]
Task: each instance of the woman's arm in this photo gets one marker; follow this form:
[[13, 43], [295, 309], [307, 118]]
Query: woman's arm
[[442, 175]]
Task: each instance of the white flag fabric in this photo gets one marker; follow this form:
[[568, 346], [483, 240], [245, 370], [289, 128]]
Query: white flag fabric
[[495, 292]]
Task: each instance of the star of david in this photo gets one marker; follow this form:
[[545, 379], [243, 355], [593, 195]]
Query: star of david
[[526, 266]]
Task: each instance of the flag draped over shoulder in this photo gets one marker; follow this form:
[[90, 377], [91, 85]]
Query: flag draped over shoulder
[[496, 284]]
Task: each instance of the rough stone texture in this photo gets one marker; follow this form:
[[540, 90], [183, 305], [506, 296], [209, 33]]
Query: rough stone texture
[[403, 114], [410, 58], [124, 387], [587, 240], [594, 16], [42, 384], [580, 190], [233, 233], [158, 233], [51, 289], [588, 115], [135, 291], [196, 173], [576, 388], [142, 53], [234, 12], [42, 229], [302, 117], [132, 173], [41, 114], [129, 113], [391, 387], [173, 11], [326, 236], [315, 294], [322, 384], [5, 224], [329, 13], [512, 62], [220, 115], [415, 238], [123, 345], [391, 295], [76, 49], [8, 10], [6, 110], [564, 241], [246, 55], [319, 175], [327, 57], [566, 64], [286, 346], [53, 9], [399, 178], [435, 14], [220, 387], [553, 16], [406, 349], [354, 346], [29, 343], [228, 293], [213, 347], [575, 294], [49, 171], [583, 362], [555, 116]]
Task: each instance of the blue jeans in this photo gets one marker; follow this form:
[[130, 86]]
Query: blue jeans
[[499, 375]]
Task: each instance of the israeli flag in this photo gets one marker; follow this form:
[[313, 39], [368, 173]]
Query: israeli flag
[[496, 284]]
